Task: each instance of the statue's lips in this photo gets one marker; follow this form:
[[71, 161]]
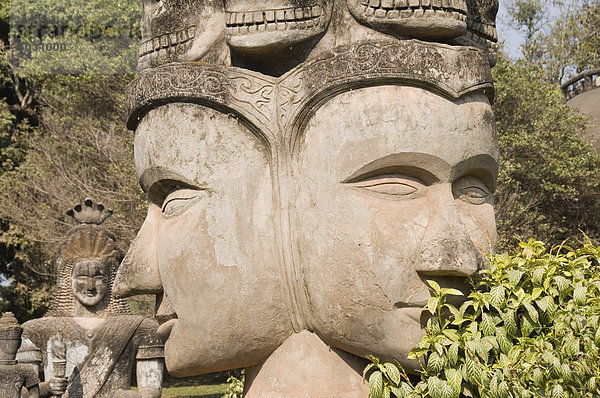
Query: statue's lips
[[392, 10], [164, 330]]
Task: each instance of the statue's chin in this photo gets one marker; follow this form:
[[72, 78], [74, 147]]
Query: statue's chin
[[89, 301]]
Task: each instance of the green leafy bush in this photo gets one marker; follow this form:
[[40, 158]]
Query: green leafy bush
[[235, 386], [529, 328]]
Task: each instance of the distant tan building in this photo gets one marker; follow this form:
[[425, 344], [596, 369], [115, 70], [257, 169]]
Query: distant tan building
[[582, 92]]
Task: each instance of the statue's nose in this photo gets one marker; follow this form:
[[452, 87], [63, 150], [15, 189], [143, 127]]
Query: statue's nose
[[138, 272], [447, 247]]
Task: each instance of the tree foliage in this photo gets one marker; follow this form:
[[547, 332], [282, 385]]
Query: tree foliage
[[529, 328], [62, 136], [549, 180], [75, 36], [82, 149]]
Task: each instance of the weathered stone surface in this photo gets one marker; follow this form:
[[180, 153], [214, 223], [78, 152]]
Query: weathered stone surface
[[14, 376], [88, 341], [304, 360], [302, 194], [418, 18], [481, 27]]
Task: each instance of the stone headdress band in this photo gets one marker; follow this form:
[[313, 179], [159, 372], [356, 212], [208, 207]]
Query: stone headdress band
[[279, 106], [84, 242]]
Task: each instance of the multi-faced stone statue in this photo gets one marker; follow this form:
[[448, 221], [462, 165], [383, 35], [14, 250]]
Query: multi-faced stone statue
[[14, 376], [304, 190], [88, 340], [294, 220]]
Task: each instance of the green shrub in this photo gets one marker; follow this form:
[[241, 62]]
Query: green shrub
[[235, 386], [529, 328]]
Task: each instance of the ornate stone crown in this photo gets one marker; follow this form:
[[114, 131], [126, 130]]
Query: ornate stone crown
[[278, 105], [89, 212]]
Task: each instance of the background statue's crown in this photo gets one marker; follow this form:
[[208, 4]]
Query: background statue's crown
[[89, 212], [9, 327]]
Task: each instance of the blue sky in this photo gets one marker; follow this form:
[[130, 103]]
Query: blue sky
[[512, 38]]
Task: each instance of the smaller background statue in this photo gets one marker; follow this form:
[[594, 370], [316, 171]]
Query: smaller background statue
[[14, 376], [88, 339]]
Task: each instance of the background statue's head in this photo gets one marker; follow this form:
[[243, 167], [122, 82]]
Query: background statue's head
[[90, 281], [87, 262], [10, 337]]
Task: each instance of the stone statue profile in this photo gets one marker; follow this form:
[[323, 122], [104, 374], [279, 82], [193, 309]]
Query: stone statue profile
[[88, 339], [303, 191], [14, 376]]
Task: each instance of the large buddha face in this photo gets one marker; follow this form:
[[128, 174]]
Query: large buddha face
[[208, 245], [396, 192]]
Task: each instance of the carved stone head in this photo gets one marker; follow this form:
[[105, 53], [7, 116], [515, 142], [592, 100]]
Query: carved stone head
[[384, 203], [180, 30], [322, 200], [10, 336], [425, 19], [87, 262], [90, 281], [259, 27]]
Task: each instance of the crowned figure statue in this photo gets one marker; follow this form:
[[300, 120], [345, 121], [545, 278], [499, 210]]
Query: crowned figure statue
[[88, 339]]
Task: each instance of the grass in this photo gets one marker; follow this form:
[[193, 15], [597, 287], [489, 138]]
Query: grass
[[206, 386], [206, 391]]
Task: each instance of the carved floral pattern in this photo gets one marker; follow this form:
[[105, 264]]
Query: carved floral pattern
[[277, 103]]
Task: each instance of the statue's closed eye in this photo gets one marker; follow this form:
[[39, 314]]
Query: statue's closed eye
[[391, 186], [471, 189], [179, 200]]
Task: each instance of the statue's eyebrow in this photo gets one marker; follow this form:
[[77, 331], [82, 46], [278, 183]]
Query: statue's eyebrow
[[484, 166], [424, 166], [158, 173]]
